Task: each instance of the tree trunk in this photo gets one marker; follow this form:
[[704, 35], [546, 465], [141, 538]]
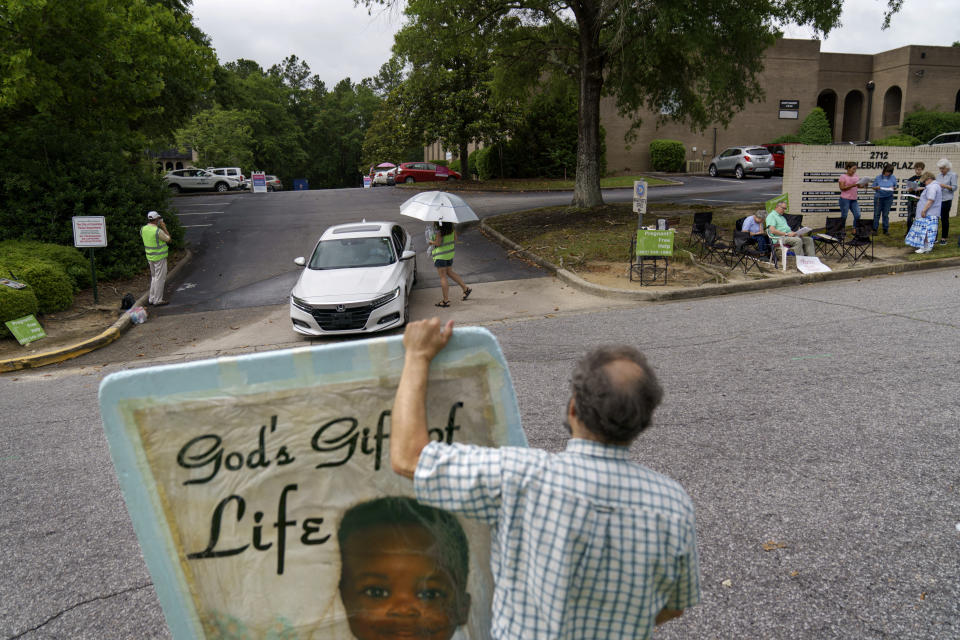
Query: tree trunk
[[464, 159], [586, 190]]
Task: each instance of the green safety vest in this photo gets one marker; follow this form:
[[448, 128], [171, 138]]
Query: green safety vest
[[155, 247], [445, 250]]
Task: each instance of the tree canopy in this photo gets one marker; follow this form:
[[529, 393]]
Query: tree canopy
[[695, 62]]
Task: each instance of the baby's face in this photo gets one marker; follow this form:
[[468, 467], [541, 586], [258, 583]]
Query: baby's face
[[393, 586]]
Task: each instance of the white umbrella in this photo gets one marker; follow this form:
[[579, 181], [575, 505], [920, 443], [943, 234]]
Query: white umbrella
[[438, 206]]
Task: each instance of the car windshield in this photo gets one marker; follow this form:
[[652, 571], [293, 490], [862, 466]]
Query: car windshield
[[759, 151], [346, 253]]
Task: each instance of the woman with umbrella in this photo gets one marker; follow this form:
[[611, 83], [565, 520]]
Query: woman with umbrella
[[442, 250], [444, 210]]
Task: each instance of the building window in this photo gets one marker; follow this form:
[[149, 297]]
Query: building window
[[892, 100]]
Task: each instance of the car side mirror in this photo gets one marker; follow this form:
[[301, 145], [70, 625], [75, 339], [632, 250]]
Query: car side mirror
[[408, 254], [300, 262]]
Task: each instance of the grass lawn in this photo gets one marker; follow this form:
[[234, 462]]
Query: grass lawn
[[572, 238]]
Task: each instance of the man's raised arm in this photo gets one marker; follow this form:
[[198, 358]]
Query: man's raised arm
[[422, 341]]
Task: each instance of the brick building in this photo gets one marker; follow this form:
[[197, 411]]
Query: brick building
[[865, 97]]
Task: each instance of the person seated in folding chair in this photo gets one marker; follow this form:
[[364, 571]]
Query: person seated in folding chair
[[779, 231], [755, 227]]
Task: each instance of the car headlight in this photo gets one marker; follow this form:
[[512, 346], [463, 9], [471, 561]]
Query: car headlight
[[382, 300], [301, 304]]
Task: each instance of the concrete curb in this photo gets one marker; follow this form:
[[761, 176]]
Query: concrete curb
[[113, 332], [707, 290]]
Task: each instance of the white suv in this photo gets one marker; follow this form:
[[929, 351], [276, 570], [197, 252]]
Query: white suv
[[233, 173], [198, 180], [944, 139]]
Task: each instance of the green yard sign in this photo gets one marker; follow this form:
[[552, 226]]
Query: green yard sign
[[26, 329], [651, 242]]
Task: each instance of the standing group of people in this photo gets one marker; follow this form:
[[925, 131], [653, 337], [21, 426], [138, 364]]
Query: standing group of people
[[926, 215], [932, 209]]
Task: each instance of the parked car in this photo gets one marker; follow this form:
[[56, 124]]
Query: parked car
[[358, 280], [273, 183], [424, 172], [778, 150], [384, 176], [945, 138], [743, 161], [234, 173], [198, 180]]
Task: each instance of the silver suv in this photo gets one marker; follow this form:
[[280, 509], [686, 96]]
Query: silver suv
[[743, 161], [197, 180]]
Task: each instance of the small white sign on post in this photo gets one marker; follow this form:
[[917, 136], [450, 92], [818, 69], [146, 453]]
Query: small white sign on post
[[259, 181], [639, 199], [89, 231]]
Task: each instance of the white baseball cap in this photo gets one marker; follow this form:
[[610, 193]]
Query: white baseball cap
[[153, 215]]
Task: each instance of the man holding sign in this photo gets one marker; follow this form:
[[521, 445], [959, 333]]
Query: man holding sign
[[586, 543]]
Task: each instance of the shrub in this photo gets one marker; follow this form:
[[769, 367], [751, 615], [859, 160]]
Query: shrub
[[69, 258], [50, 283], [790, 137], [815, 128], [925, 125], [15, 303], [483, 163], [667, 155], [902, 140]]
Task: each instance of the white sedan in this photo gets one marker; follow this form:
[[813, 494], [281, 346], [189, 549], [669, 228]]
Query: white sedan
[[358, 280]]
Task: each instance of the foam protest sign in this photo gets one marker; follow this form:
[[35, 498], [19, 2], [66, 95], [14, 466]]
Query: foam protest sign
[[261, 491]]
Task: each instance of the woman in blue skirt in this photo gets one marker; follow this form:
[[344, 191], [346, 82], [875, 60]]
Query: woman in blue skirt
[[923, 233]]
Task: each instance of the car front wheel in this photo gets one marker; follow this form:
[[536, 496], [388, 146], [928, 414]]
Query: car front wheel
[[451, 179], [768, 175], [222, 187], [409, 180], [738, 172], [712, 171]]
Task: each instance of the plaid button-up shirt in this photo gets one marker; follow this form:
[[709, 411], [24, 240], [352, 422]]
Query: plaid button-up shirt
[[586, 543]]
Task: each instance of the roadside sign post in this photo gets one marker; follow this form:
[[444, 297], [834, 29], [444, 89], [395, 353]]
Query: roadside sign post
[[639, 200], [90, 232]]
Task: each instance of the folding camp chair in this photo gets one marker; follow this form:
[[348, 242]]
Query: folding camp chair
[[861, 241], [715, 247], [832, 241], [794, 221], [738, 225], [700, 220], [746, 254]]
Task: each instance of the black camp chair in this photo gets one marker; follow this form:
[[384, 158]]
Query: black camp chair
[[715, 247], [832, 241], [861, 241], [746, 254], [700, 220]]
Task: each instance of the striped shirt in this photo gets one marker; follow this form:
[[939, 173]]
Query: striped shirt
[[586, 543]]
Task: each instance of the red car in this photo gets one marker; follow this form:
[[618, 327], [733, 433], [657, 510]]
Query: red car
[[778, 150], [424, 172]]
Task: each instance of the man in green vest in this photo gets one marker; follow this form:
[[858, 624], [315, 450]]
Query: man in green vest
[[155, 238]]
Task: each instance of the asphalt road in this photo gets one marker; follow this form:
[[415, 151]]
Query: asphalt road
[[244, 243], [815, 428]]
